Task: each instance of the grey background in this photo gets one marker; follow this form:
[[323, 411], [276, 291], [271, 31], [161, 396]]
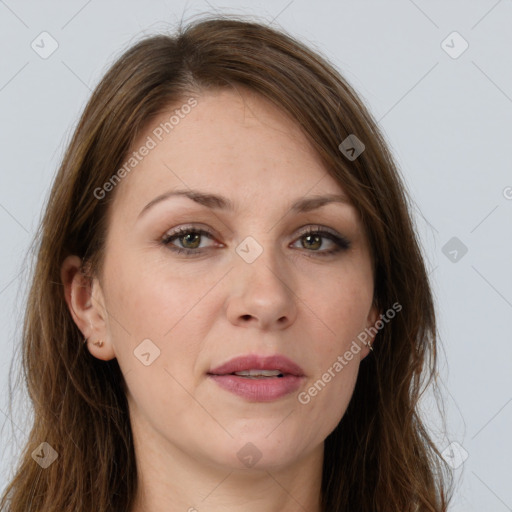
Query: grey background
[[447, 120]]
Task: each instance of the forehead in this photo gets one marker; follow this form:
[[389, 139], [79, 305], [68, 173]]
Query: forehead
[[234, 143]]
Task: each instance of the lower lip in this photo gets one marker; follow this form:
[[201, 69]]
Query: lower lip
[[259, 390]]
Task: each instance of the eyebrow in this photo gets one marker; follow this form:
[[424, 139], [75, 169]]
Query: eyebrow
[[217, 202]]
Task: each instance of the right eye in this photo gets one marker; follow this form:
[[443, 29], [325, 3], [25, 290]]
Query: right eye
[[189, 239]]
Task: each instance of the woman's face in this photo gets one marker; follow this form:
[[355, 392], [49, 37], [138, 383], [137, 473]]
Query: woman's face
[[256, 284]]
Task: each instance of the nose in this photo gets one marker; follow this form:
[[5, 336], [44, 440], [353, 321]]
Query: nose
[[261, 294]]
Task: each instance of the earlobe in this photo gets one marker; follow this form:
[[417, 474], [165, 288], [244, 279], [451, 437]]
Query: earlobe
[[87, 313], [370, 331]]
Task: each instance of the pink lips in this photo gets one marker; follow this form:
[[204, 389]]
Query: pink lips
[[260, 390]]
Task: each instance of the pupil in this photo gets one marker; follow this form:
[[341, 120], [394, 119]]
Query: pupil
[[186, 237], [317, 237]]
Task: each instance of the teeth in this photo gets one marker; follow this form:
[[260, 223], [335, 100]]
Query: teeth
[[259, 373]]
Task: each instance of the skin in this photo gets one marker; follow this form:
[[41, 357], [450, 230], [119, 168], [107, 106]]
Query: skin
[[201, 311]]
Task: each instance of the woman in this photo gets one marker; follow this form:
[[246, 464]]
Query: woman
[[229, 307]]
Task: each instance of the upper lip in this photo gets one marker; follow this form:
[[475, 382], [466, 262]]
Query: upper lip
[[257, 362]]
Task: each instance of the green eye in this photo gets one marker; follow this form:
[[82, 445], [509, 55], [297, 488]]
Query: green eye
[[189, 239], [314, 240]]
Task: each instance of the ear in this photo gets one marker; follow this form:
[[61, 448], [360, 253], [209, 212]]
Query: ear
[[85, 301], [368, 335]]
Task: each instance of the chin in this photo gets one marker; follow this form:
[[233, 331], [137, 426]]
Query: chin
[[259, 451]]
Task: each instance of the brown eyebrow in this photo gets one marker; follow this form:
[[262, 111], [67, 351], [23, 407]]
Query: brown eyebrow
[[217, 202]]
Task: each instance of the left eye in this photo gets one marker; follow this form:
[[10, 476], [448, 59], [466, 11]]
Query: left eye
[[188, 237], [314, 239], [190, 240]]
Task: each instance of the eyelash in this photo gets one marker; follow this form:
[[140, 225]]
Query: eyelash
[[341, 242]]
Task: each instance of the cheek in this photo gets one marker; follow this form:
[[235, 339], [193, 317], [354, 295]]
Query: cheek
[[326, 397], [343, 304], [148, 300], [150, 297]]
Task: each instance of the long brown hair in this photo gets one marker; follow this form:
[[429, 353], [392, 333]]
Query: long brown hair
[[380, 457]]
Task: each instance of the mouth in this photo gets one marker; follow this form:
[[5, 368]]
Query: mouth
[[258, 378], [255, 366], [259, 374]]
